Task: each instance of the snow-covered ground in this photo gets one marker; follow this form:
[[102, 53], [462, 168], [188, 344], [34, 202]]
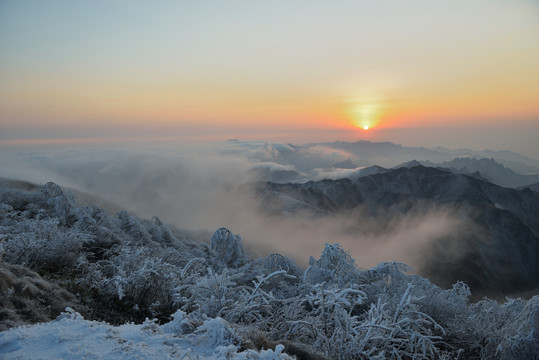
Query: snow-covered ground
[[70, 336]]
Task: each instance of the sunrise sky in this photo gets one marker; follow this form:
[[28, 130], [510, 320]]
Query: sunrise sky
[[418, 72]]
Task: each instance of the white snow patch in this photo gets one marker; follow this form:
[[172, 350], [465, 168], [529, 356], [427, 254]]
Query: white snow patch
[[70, 336]]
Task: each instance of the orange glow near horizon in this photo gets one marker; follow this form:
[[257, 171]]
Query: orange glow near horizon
[[367, 111]]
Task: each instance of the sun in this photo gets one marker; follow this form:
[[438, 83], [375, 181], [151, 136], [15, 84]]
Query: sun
[[365, 112]]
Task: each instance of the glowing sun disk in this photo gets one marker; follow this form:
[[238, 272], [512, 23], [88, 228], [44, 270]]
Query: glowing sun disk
[[365, 112]]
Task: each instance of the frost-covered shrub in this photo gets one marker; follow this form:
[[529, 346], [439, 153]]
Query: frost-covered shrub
[[326, 321], [392, 329], [134, 282], [228, 248], [403, 328], [134, 228], [520, 336], [276, 262], [37, 229], [211, 294], [505, 331], [44, 245], [335, 265]]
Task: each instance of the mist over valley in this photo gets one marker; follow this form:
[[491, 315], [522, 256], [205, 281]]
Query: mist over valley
[[446, 219]]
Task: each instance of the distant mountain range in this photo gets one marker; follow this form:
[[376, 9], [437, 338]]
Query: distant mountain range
[[385, 153], [497, 258], [487, 168], [335, 160]]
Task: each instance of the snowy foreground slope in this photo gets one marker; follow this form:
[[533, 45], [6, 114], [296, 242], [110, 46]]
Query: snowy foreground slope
[[211, 301], [70, 336]]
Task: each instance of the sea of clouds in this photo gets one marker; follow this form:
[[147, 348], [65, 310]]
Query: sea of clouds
[[201, 186]]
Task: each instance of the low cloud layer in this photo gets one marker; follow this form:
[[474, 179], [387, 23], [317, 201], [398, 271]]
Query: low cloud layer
[[201, 187]]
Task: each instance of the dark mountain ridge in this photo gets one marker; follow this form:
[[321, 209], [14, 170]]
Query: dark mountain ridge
[[497, 256], [490, 169]]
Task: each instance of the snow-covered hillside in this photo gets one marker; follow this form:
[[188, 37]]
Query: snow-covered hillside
[[151, 291]]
